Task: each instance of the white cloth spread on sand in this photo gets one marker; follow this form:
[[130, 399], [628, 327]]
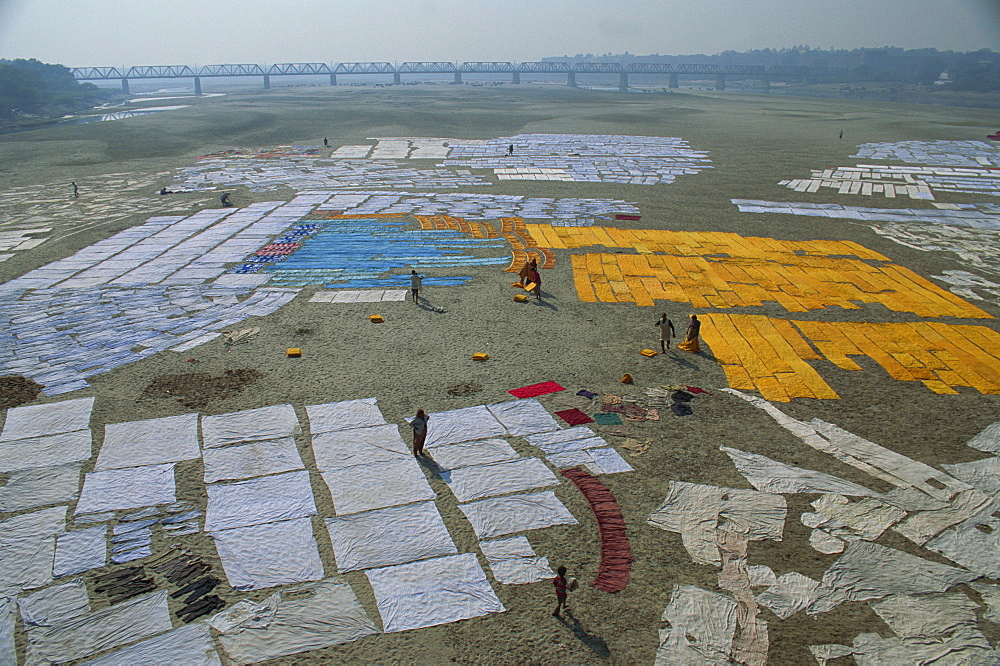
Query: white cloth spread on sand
[[190, 645], [80, 550], [869, 570], [272, 422], [862, 454], [462, 425], [393, 535], [523, 417], [771, 476], [312, 617], [269, 554], [991, 597], [377, 485], [432, 592], [30, 488], [862, 518], [479, 481], [563, 441], [149, 442], [88, 634], [975, 542], [344, 415], [262, 500], [695, 512], [45, 451], [513, 561], [128, 488], [702, 625], [482, 452], [55, 604], [598, 461], [498, 516], [28, 544], [8, 649], [988, 440], [791, 593], [244, 461], [357, 446], [983, 474], [51, 419]]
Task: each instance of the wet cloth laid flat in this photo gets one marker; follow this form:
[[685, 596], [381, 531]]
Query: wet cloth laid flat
[[432, 592], [50, 419], [377, 485], [253, 459], [702, 625], [149, 442], [55, 604], [499, 516], [308, 617], [344, 415], [8, 648], [262, 500], [574, 417], [128, 488], [570, 439], [80, 550], [272, 422], [523, 417], [513, 562], [534, 390], [190, 645], [605, 418], [462, 425], [393, 535], [45, 451], [93, 632], [356, 446], [598, 461], [28, 543], [269, 554], [478, 481], [772, 476], [27, 489], [480, 452]]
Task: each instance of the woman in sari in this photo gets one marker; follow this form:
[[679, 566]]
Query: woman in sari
[[690, 343]]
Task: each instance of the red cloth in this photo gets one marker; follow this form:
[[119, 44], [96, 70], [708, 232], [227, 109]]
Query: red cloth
[[633, 218], [695, 389], [536, 389], [616, 551], [574, 416]]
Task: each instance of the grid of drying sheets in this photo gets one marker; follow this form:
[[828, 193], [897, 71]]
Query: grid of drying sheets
[[474, 206], [158, 285], [893, 181]]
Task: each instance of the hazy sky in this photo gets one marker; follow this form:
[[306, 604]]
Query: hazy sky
[[202, 32]]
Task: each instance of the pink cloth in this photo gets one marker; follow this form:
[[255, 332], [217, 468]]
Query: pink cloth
[[574, 417], [536, 389]]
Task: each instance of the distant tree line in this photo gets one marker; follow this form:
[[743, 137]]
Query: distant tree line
[[975, 70], [31, 88]]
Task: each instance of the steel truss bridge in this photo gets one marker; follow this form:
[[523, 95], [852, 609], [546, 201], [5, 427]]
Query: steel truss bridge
[[515, 70]]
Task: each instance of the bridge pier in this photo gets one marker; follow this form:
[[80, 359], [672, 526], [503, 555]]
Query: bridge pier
[[516, 78], [267, 82], [673, 83], [458, 77], [720, 82], [623, 82], [333, 79], [197, 85], [571, 79], [395, 78], [125, 86]]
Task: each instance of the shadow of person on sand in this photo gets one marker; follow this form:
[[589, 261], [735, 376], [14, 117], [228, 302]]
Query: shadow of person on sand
[[595, 643], [544, 303], [678, 357], [424, 304]]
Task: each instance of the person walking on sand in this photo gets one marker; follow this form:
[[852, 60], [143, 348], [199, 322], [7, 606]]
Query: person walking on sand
[[841, 134], [415, 282], [326, 144], [510, 149], [226, 203], [536, 279], [666, 331], [527, 270], [563, 586], [690, 343], [419, 425], [76, 190]]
